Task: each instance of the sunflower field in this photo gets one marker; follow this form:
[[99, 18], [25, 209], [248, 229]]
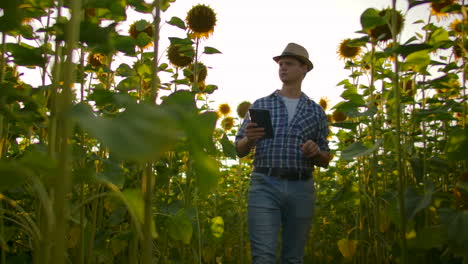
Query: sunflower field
[[117, 156]]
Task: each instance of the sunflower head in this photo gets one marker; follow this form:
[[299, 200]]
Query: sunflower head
[[224, 109], [227, 123], [97, 60], [323, 103], [339, 116], [439, 8], [460, 48], [347, 51], [384, 32], [201, 20], [242, 108], [180, 55], [139, 27], [458, 26], [200, 70]]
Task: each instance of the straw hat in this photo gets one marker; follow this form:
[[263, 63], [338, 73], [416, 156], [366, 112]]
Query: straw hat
[[298, 52]]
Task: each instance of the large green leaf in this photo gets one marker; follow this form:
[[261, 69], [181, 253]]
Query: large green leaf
[[415, 202], [457, 145], [358, 149], [370, 19], [141, 132], [228, 147], [428, 237], [12, 175], [456, 224], [133, 198], [417, 61], [180, 227], [175, 21], [26, 55]]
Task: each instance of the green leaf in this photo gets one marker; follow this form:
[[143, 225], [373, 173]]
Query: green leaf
[[417, 61], [347, 125], [358, 149], [125, 44], [207, 172], [438, 37], [210, 50], [228, 147], [428, 237], [125, 70], [406, 50], [26, 55], [175, 21], [141, 132], [130, 83], [456, 224], [180, 228], [457, 144], [112, 173], [143, 39], [12, 175], [133, 199], [415, 202], [370, 19]]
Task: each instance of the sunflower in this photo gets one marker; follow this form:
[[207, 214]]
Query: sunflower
[[384, 32], [227, 123], [459, 48], [137, 28], [347, 51], [201, 70], [224, 109], [97, 60], [438, 8], [201, 20], [339, 116], [457, 26], [324, 103], [180, 56], [242, 108]]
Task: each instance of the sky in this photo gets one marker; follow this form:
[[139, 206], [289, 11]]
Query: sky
[[249, 33]]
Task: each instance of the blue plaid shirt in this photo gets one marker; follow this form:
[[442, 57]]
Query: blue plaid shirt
[[283, 150]]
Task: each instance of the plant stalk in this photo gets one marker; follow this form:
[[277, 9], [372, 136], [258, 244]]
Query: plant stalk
[[401, 171], [64, 103]]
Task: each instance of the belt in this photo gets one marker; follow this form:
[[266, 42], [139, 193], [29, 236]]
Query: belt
[[285, 173]]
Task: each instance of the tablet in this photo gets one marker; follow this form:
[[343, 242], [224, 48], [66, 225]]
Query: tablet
[[263, 119]]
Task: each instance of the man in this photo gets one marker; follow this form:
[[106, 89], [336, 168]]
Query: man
[[281, 192]]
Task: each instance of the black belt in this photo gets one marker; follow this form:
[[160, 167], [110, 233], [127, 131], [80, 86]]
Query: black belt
[[287, 174]]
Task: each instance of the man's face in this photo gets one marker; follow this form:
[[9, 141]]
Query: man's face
[[291, 69]]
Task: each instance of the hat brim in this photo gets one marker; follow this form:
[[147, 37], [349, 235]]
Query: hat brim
[[304, 60]]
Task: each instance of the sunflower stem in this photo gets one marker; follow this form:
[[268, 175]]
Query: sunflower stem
[[401, 171]]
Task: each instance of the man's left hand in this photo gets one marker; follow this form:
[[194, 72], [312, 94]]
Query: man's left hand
[[310, 149]]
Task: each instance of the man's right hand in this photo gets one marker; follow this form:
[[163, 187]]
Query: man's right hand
[[253, 132]]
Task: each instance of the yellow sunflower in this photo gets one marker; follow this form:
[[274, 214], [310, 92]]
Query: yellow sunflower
[[224, 109], [346, 51], [97, 60], [324, 103], [242, 109], [439, 8], [227, 123], [201, 20]]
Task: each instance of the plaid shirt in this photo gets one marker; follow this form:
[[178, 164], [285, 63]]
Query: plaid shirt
[[283, 150]]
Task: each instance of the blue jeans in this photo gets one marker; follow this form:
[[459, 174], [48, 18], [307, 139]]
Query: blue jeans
[[273, 205]]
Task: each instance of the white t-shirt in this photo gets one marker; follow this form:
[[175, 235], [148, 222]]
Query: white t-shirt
[[291, 105]]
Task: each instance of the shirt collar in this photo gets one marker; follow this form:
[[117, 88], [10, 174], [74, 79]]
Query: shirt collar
[[303, 97]]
